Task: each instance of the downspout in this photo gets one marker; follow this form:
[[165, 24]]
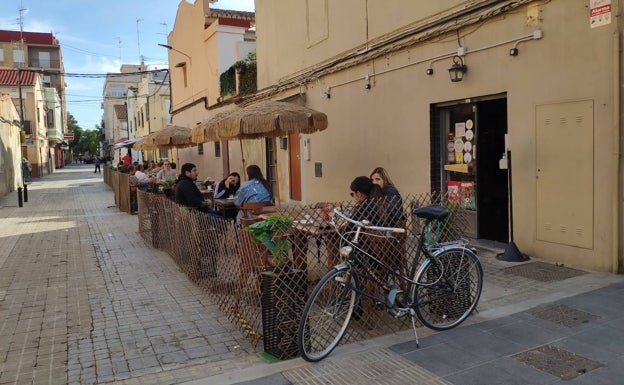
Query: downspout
[[617, 266]]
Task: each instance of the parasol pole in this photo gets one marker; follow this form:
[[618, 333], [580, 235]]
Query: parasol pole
[[277, 192], [242, 156]]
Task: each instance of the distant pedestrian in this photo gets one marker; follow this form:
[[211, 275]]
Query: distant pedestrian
[[97, 165]]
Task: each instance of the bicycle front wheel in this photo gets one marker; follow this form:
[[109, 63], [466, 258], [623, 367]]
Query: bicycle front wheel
[[327, 314], [448, 288]]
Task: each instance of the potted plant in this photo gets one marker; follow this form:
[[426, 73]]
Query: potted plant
[[282, 291], [271, 233]]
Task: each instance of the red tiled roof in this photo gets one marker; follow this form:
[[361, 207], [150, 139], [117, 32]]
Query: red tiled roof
[[8, 77], [29, 37]]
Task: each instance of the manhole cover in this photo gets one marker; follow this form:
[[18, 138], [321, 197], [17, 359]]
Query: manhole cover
[[558, 362], [544, 272], [563, 315]]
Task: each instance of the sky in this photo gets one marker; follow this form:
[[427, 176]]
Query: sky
[[97, 36]]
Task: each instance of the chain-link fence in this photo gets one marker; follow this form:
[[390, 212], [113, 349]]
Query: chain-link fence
[[264, 297]]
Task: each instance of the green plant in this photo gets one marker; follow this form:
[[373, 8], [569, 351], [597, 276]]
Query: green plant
[[271, 233], [167, 182]]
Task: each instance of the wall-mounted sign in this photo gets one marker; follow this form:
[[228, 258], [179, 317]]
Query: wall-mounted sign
[[599, 13]]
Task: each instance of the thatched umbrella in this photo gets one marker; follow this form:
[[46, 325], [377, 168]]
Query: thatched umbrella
[[206, 130], [170, 137], [270, 119]]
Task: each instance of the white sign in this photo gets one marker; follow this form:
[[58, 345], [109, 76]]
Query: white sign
[[599, 13]]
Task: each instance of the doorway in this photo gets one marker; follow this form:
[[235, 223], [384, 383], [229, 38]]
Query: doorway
[[467, 144]]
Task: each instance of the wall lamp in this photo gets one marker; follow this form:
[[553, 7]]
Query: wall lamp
[[458, 69], [178, 51]]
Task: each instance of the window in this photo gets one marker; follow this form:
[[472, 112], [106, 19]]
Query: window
[[1, 55], [200, 149], [217, 149], [44, 59], [47, 81], [18, 56]]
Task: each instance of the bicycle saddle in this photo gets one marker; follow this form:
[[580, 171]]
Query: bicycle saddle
[[431, 212]]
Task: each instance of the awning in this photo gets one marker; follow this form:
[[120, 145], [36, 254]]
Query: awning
[[126, 143]]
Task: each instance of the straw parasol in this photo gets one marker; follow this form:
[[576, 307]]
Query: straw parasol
[[172, 136], [206, 130], [270, 119]]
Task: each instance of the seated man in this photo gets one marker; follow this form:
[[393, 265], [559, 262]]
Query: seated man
[[187, 193]]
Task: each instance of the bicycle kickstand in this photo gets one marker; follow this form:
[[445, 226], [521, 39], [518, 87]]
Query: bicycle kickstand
[[413, 314]]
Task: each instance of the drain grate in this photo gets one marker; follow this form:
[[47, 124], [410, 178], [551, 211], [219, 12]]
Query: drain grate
[[563, 315], [558, 362], [544, 272]]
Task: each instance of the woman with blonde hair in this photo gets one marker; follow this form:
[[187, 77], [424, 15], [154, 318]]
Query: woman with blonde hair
[[394, 201]]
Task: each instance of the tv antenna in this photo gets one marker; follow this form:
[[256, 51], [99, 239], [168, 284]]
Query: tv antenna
[[139, 38]]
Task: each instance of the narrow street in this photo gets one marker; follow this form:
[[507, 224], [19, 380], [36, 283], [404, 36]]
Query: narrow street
[[83, 300]]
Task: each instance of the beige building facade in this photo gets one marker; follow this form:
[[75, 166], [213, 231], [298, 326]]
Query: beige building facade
[[10, 147], [204, 43], [530, 137]]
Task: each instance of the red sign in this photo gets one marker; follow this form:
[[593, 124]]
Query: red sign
[[68, 136]]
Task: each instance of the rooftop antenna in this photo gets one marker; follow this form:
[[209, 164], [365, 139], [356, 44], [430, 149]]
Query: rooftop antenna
[[21, 24], [139, 38]]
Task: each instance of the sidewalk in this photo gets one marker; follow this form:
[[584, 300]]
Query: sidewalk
[[83, 300]]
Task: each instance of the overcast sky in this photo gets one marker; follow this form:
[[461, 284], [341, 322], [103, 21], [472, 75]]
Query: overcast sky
[[97, 36]]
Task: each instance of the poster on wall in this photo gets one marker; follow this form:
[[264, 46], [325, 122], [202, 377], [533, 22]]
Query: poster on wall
[[599, 13], [461, 194]]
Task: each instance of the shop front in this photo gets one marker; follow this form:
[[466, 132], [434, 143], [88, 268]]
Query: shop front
[[469, 162]]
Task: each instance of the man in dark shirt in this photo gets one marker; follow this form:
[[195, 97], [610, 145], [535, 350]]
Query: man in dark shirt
[[187, 193]]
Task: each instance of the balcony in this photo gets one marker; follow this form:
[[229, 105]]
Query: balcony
[[243, 72]]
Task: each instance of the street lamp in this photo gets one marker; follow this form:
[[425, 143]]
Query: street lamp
[[178, 51]]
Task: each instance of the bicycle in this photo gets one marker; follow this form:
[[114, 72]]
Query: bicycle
[[441, 291]]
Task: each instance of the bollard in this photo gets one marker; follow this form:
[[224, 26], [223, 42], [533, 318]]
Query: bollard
[[25, 192], [19, 197]]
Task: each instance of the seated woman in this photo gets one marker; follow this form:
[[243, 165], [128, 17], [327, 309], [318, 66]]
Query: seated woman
[[256, 189], [394, 215], [228, 186], [166, 172]]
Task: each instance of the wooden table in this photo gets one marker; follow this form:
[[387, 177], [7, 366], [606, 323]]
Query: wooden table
[[319, 233], [226, 207]]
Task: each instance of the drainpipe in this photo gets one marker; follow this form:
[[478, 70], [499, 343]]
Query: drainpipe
[[617, 192]]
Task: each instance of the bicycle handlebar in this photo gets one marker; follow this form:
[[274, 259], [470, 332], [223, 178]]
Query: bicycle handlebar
[[366, 224]]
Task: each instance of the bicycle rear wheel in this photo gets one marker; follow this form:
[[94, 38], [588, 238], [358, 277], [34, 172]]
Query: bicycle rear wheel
[[448, 289], [327, 314]]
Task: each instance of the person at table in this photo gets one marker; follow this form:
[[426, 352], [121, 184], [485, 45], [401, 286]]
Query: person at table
[[228, 186], [395, 216], [187, 193], [256, 189], [141, 176], [368, 204], [166, 172]]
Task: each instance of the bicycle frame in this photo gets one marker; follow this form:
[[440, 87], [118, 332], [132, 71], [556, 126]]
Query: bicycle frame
[[365, 272]]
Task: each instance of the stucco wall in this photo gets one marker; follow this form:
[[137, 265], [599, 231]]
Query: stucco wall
[[389, 124]]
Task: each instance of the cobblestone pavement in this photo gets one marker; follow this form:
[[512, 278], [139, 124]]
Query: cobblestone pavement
[[83, 300]]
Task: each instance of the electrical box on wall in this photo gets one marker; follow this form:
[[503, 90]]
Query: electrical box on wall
[[318, 169], [306, 149]]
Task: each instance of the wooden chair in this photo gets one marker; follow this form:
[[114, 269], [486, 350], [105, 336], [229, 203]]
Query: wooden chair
[[250, 211]]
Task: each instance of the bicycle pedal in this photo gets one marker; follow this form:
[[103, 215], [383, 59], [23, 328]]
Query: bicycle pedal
[[399, 312]]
